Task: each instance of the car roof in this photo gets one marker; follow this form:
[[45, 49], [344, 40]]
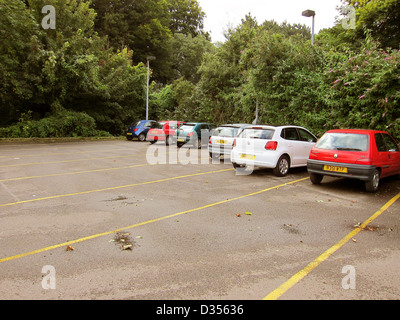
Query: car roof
[[236, 125], [359, 131]]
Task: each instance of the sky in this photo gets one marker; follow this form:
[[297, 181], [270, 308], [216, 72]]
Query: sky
[[222, 14]]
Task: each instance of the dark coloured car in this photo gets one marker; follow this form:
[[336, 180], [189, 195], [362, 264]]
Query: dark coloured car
[[195, 133], [139, 129], [367, 155]]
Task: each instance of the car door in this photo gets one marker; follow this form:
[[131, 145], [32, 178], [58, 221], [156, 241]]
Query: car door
[[307, 141], [393, 154], [382, 159], [293, 145]]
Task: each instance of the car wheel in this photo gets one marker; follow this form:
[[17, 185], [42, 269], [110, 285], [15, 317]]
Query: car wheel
[[282, 167], [197, 144], [215, 156], [153, 142], [142, 137], [316, 178], [179, 144], [373, 184], [169, 141]]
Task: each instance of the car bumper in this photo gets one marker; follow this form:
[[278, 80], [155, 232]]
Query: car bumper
[[261, 160], [155, 137], [131, 134], [220, 149], [354, 171]]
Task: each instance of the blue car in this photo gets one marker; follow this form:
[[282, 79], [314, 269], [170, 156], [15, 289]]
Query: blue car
[[139, 130]]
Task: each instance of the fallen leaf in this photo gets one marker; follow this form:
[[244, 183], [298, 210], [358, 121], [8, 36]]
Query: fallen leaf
[[69, 248], [354, 240], [248, 213], [238, 215]]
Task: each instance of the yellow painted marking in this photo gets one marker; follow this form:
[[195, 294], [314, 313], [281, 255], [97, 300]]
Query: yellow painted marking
[[61, 161], [111, 188], [312, 265], [72, 173], [148, 221]]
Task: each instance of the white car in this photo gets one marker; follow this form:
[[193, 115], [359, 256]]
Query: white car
[[279, 148], [221, 140]]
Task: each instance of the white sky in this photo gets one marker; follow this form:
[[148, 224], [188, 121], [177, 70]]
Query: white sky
[[220, 14]]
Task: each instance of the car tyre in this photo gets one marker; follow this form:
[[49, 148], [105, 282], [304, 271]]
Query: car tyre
[[169, 141], [197, 144], [316, 178], [373, 184], [142, 137], [282, 167], [179, 144], [215, 156]]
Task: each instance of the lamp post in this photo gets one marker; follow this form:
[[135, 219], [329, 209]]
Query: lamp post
[[149, 58], [310, 13]]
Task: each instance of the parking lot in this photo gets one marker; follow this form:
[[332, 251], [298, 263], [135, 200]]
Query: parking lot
[[119, 220]]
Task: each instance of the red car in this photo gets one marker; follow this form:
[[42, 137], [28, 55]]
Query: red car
[[163, 131], [368, 155]]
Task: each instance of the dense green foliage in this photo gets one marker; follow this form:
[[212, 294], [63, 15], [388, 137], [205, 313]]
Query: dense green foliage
[[89, 74]]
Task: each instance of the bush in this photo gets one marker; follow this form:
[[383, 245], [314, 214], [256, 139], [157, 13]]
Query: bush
[[64, 124]]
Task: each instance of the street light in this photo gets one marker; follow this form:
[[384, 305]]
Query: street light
[[310, 13], [149, 58]]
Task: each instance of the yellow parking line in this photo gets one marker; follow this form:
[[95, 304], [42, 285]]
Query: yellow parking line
[[312, 265], [63, 153], [61, 161], [149, 221], [72, 173], [112, 188]]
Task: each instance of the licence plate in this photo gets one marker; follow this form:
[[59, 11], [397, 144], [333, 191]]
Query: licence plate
[[221, 141], [247, 156], [129, 133], [335, 169], [180, 140]]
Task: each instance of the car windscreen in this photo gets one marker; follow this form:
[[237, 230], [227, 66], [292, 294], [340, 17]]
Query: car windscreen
[[225, 132], [186, 127], [343, 141], [158, 125], [252, 133]]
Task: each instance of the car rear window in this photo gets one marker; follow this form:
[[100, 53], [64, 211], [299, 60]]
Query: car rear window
[[187, 127], [343, 141], [252, 133], [158, 125], [225, 132]]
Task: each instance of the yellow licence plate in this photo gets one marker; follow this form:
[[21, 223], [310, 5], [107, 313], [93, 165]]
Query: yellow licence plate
[[129, 133], [247, 156], [221, 141], [180, 140], [335, 169]]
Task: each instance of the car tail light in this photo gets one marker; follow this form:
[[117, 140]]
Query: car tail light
[[209, 140], [234, 143], [190, 134], [365, 160], [136, 129], [271, 145]]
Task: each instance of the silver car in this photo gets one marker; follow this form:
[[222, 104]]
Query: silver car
[[221, 140]]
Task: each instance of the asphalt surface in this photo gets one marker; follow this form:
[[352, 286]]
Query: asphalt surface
[[119, 220]]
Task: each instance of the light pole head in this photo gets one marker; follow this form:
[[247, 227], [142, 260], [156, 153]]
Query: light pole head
[[149, 58], [308, 13]]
